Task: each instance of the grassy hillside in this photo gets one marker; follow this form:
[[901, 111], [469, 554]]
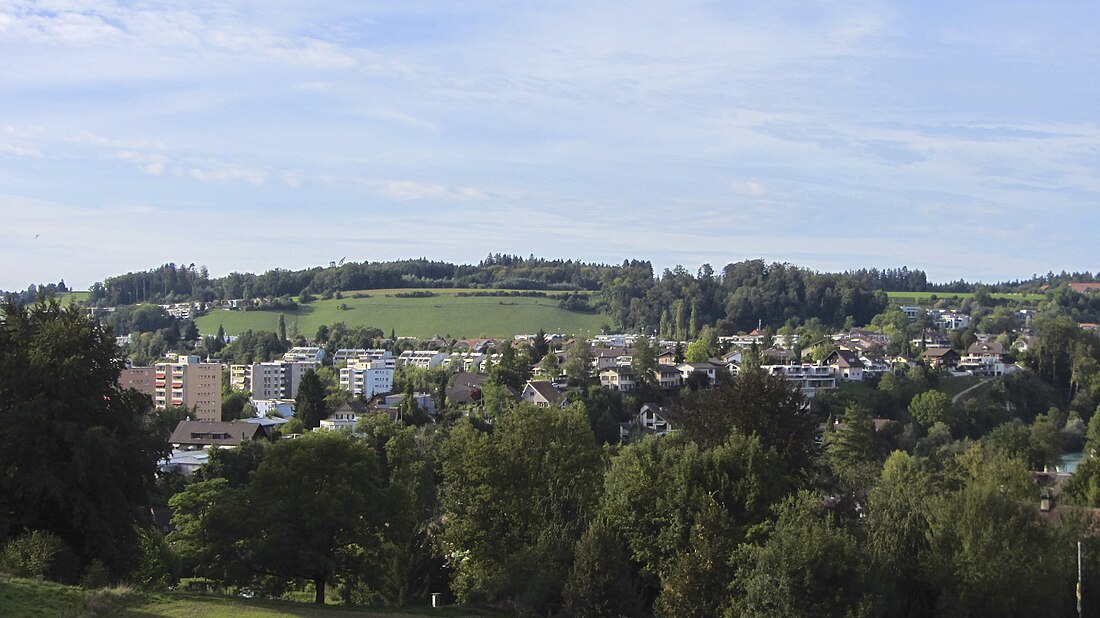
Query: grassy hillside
[[925, 298], [26, 598], [442, 314]]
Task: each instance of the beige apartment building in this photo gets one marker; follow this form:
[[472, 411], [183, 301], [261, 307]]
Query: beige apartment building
[[138, 378], [189, 382], [273, 380]]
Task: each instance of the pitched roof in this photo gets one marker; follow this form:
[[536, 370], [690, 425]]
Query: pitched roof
[[937, 352], [1085, 288], [353, 406], [991, 347], [215, 432], [845, 359], [548, 391]]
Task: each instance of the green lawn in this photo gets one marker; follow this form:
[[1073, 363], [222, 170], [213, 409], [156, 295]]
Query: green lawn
[[926, 298], [442, 314], [74, 296], [26, 598], [954, 386]]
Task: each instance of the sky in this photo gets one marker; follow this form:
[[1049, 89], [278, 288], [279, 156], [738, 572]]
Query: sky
[[961, 138]]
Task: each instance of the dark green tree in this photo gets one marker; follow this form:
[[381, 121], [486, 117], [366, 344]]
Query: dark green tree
[[853, 449], [309, 403], [600, 584], [407, 466], [77, 455], [755, 402], [317, 509], [539, 347], [235, 405], [808, 566], [515, 502], [643, 361], [513, 369], [578, 362]]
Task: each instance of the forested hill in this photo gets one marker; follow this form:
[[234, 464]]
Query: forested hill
[[675, 302]]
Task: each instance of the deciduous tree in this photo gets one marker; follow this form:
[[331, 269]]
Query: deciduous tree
[[77, 455]]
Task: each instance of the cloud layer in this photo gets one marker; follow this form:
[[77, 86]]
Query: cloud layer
[[249, 135]]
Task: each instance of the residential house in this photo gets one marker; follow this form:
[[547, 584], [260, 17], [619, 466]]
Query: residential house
[[708, 369], [940, 358], [618, 378], [984, 359], [282, 408], [809, 378], [465, 388], [344, 417], [606, 358], [216, 433], [930, 339], [669, 376], [667, 357], [845, 365], [543, 394], [650, 421]]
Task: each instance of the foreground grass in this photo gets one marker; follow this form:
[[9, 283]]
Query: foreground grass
[[442, 314], [24, 597], [28, 598]]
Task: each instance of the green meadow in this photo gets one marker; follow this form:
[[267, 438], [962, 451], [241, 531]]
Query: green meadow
[[444, 314], [930, 298]]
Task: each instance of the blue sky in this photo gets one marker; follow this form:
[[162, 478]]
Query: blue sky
[[960, 138]]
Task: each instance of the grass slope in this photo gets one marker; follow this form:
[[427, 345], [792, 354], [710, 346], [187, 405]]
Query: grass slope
[[442, 314], [925, 298], [27, 598]]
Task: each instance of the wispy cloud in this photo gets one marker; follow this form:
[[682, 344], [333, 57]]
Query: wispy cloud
[[660, 129], [415, 190], [227, 173]]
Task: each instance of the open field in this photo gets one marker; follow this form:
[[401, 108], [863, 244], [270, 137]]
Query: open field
[[926, 298], [445, 313], [74, 296], [24, 597]]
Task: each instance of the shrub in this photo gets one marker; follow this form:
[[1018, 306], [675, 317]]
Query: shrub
[[39, 553]]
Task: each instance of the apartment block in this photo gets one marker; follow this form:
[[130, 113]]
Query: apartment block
[[273, 380], [138, 378], [192, 383], [368, 378]]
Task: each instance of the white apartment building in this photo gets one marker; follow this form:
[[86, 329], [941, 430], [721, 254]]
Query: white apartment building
[[423, 359], [809, 378], [304, 355], [368, 378]]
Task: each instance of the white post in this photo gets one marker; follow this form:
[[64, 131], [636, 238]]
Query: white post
[[435, 598], [1078, 579]]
